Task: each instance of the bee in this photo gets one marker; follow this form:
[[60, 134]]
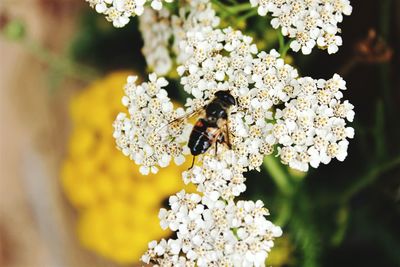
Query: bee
[[213, 127]]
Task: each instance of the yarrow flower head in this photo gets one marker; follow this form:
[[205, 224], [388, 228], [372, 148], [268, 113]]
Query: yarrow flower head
[[213, 233], [261, 83], [194, 16], [105, 188], [223, 60], [156, 33], [119, 12], [145, 135], [311, 127], [271, 110], [159, 27], [303, 117], [308, 22], [218, 177]]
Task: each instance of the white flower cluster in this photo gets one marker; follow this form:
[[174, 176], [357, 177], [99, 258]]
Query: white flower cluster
[[308, 22], [260, 82], [194, 16], [223, 60], [119, 12], [156, 33], [146, 134], [158, 28], [311, 128], [302, 117], [218, 176], [211, 229], [213, 233]]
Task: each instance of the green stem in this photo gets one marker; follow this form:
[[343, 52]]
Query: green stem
[[286, 48], [283, 46], [304, 228], [379, 131], [223, 9], [226, 10], [348, 66], [384, 24], [285, 211], [384, 68], [234, 231], [233, 2], [281, 40], [240, 7], [369, 178], [342, 220], [61, 64], [249, 14], [279, 175]]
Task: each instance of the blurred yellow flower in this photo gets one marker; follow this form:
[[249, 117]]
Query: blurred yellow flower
[[282, 254], [117, 207]]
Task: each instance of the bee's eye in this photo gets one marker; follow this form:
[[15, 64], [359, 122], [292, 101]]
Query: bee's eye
[[231, 100]]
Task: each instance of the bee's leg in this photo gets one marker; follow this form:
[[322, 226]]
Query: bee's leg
[[218, 139], [228, 140], [192, 163]]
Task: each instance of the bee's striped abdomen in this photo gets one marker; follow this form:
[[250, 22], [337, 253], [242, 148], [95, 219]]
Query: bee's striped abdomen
[[199, 140]]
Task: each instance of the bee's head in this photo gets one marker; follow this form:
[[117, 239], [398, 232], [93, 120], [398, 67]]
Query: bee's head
[[226, 98]]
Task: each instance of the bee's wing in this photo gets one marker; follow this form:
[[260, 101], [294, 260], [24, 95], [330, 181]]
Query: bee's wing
[[226, 133], [182, 118]]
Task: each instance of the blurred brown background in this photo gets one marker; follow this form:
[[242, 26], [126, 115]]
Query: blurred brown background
[[33, 131]]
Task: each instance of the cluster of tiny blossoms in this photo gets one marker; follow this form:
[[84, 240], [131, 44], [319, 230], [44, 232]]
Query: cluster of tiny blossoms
[[158, 28], [308, 22], [156, 33], [194, 16], [311, 128], [211, 229], [119, 12], [261, 83], [219, 176], [105, 188], [213, 233], [145, 135], [302, 118]]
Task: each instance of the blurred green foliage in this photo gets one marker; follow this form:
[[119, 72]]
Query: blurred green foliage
[[99, 44], [14, 30]]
